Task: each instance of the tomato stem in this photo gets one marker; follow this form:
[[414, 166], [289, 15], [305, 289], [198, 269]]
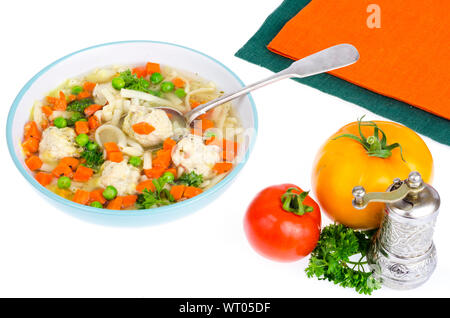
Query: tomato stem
[[374, 145], [293, 202]]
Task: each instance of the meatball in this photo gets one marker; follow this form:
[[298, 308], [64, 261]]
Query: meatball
[[155, 117], [58, 143], [193, 155], [120, 175]]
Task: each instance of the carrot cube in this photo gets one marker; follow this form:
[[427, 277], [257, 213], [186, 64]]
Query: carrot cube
[[83, 174], [81, 197], [115, 156], [82, 127], [44, 178], [33, 163]]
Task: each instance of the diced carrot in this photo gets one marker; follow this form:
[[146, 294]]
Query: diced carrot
[[31, 130], [147, 184], [210, 140], [44, 123], [115, 204], [203, 124], [178, 82], [152, 68], [143, 128], [61, 103], [33, 163], [128, 201], [62, 170], [83, 94], [177, 191], [222, 167], [51, 100], [140, 71], [154, 172], [190, 192], [111, 147], [47, 110], [169, 143], [194, 104], [83, 174], [31, 145], [90, 110], [81, 197], [44, 178], [207, 124], [93, 123], [97, 195], [82, 127], [172, 171], [163, 158], [70, 161], [89, 86], [115, 156], [71, 98]]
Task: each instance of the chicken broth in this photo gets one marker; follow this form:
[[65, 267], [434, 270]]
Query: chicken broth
[[99, 140]]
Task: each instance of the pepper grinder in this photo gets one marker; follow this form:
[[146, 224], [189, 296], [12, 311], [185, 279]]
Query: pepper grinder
[[402, 254]]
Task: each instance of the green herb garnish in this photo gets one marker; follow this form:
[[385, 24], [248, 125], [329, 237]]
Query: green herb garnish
[[137, 83], [161, 196], [79, 105], [191, 179], [330, 260], [93, 157]]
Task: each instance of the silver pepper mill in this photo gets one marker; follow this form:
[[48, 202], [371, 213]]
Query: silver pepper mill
[[402, 254]]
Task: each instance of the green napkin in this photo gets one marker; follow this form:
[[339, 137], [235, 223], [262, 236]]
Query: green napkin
[[255, 51]]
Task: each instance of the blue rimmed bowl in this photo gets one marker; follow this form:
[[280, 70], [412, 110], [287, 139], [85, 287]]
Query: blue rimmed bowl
[[129, 52]]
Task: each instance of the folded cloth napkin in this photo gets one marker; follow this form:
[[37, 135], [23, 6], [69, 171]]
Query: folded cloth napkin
[[405, 62]]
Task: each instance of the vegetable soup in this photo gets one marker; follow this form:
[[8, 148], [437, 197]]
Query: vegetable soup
[[100, 139]]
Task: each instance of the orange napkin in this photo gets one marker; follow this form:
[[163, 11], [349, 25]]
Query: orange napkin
[[407, 58]]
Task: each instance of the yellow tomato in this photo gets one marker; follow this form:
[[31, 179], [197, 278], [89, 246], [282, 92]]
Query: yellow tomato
[[344, 163]]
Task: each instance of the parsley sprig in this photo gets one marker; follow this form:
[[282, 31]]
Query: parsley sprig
[[93, 157], [191, 179], [79, 105], [137, 83], [330, 260], [161, 196]]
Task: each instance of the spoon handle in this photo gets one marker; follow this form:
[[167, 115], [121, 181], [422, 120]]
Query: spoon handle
[[323, 61]]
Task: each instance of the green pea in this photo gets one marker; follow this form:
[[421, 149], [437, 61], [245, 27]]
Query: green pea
[[135, 161], [82, 119], [77, 89], [167, 87], [92, 145], [97, 204], [64, 182], [60, 122], [110, 193], [118, 83], [168, 177], [156, 78], [82, 139], [76, 116], [180, 92]]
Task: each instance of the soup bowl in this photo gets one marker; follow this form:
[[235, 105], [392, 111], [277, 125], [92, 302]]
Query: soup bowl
[[129, 53]]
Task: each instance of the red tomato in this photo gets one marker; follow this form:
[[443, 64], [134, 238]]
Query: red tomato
[[279, 234]]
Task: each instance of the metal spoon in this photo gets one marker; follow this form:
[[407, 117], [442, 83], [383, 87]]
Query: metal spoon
[[323, 61]]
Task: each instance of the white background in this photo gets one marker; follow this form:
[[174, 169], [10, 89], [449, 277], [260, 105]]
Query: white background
[[45, 252]]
